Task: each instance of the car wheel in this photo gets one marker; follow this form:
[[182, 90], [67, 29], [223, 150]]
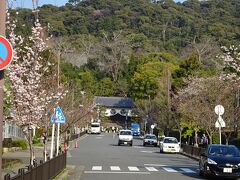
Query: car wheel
[[155, 145], [144, 144], [204, 171]]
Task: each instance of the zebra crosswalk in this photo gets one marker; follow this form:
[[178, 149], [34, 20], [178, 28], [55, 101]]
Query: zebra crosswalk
[[140, 169]]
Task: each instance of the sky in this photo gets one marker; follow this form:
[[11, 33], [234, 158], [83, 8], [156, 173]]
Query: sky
[[28, 3]]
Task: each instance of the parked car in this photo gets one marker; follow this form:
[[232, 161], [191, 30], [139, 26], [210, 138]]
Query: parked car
[[125, 137], [169, 145], [220, 160], [150, 139]]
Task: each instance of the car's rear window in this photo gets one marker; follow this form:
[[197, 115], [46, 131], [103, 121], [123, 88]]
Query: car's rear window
[[95, 125], [170, 140], [150, 137], [223, 151], [125, 132]]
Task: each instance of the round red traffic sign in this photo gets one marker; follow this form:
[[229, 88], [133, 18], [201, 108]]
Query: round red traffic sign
[[6, 53]]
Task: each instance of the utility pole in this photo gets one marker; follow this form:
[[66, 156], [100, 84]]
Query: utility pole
[[168, 99], [2, 32]]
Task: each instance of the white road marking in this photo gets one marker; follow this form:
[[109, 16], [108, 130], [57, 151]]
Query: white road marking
[[98, 137], [133, 168], [114, 172], [169, 169], [158, 165], [151, 169], [97, 168], [139, 147], [69, 154], [115, 168], [147, 151], [186, 170]]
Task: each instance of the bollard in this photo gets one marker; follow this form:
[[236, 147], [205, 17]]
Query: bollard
[[21, 171], [30, 167], [7, 177]]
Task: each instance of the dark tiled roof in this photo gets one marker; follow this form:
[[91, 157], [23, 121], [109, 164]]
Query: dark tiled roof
[[120, 102]]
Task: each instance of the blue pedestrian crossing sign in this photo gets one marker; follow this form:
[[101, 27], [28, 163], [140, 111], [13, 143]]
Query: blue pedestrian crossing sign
[[59, 116]]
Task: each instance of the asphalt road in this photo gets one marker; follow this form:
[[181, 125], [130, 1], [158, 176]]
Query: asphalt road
[[103, 159]]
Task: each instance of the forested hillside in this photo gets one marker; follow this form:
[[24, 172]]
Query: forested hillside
[[164, 24]]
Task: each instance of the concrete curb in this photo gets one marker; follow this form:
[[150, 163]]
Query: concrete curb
[[190, 156], [70, 146]]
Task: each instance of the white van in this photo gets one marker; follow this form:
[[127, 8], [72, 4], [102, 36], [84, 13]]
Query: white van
[[95, 128]]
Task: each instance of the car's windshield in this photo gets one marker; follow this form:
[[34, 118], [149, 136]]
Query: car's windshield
[[170, 140], [223, 151], [125, 133], [150, 137]]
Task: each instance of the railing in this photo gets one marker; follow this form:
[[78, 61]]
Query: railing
[[75, 136], [43, 171], [192, 151]]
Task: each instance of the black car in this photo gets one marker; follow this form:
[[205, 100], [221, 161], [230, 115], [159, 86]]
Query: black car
[[220, 160]]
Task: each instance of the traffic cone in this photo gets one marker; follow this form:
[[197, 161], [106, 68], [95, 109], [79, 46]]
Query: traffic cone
[[65, 147]]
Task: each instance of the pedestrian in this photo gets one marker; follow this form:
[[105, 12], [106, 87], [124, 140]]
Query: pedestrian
[[204, 141]]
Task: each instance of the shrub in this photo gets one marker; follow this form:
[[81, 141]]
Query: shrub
[[20, 143], [215, 138], [36, 140]]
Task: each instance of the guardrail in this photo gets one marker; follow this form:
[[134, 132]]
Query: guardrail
[[75, 136], [43, 171], [192, 151]]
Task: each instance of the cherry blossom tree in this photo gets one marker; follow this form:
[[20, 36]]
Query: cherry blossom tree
[[26, 74]]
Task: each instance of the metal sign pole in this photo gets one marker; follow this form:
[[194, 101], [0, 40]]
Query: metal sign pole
[[58, 132], [220, 133], [53, 129], [2, 32], [220, 138]]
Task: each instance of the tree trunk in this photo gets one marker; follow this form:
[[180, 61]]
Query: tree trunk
[[31, 149], [195, 139]]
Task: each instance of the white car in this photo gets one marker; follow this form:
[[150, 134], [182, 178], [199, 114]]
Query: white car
[[169, 145], [125, 137]]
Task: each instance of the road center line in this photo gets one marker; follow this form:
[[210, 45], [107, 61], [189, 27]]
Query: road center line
[[115, 172]]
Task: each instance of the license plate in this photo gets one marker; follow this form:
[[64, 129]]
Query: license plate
[[168, 150], [125, 142], [227, 170]]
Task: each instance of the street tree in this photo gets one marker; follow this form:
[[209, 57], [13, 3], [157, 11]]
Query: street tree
[[26, 74]]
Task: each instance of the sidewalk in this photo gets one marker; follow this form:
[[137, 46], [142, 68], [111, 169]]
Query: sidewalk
[[24, 157]]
